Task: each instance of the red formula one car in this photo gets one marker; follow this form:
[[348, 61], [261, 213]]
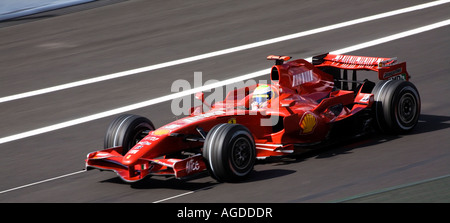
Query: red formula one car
[[305, 106]]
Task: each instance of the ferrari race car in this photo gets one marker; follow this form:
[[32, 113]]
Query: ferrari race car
[[306, 105]]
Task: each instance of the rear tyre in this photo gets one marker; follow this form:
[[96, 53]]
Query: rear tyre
[[397, 106], [229, 152], [126, 131]]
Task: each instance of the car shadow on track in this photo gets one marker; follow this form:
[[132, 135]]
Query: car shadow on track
[[194, 183], [261, 175], [427, 123], [200, 181], [431, 123]]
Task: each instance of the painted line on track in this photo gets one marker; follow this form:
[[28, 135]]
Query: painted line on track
[[220, 52], [42, 181], [206, 87], [181, 195]]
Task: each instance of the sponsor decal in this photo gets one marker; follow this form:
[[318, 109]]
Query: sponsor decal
[[171, 126], [202, 116], [145, 143], [161, 132], [366, 98], [192, 165], [301, 78], [357, 60], [308, 123], [151, 138], [399, 77], [392, 73], [133, 151], [232, 121]]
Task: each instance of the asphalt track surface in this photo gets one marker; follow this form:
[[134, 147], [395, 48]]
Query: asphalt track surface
[[107, 37]]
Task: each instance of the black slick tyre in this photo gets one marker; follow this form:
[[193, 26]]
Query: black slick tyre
[[397, 106], [126, 131], [229, 152]]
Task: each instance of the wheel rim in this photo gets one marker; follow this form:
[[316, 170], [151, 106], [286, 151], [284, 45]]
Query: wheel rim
[[406, 110], [137, 137], [241, 153]]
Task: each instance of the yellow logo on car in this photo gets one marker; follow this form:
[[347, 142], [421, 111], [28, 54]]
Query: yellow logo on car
[[232, 121], [160, 132], [308, 123]]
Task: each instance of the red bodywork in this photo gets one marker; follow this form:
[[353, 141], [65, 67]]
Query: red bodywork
[[300, 115]]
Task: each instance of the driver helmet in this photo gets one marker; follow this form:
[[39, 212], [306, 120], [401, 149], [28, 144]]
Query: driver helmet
[[261, 95]]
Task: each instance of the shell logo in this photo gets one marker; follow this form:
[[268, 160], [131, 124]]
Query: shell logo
[[308, 123], [232, 121], [160, 132]]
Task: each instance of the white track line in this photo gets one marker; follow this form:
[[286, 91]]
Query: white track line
[[42, 181], [220, 52], [207, 87], [181, 195], [180, 94]]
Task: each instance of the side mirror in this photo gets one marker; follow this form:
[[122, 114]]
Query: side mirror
[[200, 96]]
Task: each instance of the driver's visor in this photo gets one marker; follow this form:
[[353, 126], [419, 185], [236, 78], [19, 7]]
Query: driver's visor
[[260, 98]]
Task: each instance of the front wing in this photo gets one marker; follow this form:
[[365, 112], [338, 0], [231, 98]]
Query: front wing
[[110, 159]]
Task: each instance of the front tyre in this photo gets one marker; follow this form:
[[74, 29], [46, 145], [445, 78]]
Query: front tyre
[[126, 131], [229, 152], [397, 106]]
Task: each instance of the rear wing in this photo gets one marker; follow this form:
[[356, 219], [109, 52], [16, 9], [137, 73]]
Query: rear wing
[[387, 68]]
